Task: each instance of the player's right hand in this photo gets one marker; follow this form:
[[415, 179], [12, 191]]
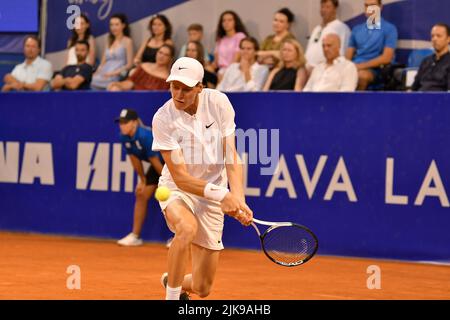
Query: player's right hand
[[234, 207]]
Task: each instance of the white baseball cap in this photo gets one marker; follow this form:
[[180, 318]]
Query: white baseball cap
[[186, 70]]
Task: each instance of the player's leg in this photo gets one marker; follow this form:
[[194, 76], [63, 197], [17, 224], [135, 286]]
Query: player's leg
[[141, 208], [205, 248], [204, 266], [365, 78], [183, 223]]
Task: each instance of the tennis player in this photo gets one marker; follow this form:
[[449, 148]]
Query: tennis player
[[194, 131], [137, 141]]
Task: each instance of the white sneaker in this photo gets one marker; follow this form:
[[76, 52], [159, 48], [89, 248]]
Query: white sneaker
[[130, 240]]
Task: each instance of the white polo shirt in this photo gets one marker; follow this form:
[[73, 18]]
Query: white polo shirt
[[199, 136], [314, 51], [234, 78], [341, 76], [29, 73]]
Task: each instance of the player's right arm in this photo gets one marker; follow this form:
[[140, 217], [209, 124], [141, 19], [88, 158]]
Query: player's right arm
[[175, 163]]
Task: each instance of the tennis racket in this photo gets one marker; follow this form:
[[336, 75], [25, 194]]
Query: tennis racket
[[287, 244]]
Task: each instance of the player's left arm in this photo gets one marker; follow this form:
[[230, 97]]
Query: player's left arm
[[235, 173], [234, 167]]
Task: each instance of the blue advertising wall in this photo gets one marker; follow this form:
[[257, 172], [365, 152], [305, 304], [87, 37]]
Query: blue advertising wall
[[363, 132]]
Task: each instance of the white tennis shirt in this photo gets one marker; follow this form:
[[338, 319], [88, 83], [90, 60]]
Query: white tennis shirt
[[199, 136]]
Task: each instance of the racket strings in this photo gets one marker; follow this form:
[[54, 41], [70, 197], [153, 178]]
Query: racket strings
[[289, 245]]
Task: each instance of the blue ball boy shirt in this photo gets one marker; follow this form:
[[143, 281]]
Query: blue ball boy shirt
[[140, 145]]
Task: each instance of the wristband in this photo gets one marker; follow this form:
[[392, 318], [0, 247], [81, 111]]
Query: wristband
[[213, 192]]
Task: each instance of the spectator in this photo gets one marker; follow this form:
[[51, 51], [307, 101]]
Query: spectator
[[149, 76], [81, 33], [270, 47], [291, 72], [434, 71], [32, 75], [194, 50], [247, 74], [330, 24], [118, 56], [195, 34], [230, 32], [161, 33], [371, 49], [75, 77], [336, 73]]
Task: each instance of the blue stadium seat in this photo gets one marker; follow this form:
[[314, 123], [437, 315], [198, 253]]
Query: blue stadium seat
[[7, 63], [414, 61], [416, 57]]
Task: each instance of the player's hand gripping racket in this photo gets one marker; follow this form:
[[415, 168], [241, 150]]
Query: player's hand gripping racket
[[286, 243]]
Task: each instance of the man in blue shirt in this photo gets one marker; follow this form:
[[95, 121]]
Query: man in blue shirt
[[137, 141], [372, 46]]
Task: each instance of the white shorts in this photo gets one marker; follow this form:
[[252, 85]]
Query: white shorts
[[209, 218]]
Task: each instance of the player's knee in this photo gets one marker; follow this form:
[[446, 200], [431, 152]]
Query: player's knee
[[203, 290], [203, 294], [186, 232]]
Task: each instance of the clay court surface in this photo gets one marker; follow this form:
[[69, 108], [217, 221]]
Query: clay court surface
[[34, 267]]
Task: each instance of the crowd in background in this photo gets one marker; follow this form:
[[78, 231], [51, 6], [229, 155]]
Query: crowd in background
[[336, 58]]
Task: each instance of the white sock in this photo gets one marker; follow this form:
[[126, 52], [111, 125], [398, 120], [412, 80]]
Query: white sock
[[173, 293]]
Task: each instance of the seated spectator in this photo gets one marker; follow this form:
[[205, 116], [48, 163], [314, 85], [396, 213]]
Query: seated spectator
[[247, 74], [32, 75], [75, 77], [118, 56], [195, 34], [194, 50], [81, 33], [230, 32], [336, 73], [161, 33], [149, 76], [269, 53], [371, 49], [291, 72], [330, 24], [434, 71]]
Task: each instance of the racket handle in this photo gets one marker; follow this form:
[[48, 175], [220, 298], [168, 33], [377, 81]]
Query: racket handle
[[269, 223], [256, 229], [265, 223]]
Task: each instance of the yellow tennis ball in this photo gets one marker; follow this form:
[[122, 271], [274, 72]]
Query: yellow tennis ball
[[162, 193]]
